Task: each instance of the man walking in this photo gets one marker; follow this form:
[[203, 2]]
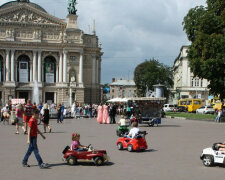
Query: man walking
[[112, 113]]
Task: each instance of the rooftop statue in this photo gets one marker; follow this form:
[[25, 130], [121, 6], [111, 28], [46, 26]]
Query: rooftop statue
[[72, 8]]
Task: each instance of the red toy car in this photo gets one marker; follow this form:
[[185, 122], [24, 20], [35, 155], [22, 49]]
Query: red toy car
[[98, 156], [138, 143]]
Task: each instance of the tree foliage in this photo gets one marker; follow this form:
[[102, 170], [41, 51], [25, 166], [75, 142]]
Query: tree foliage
[[150, 73], [205, 28]]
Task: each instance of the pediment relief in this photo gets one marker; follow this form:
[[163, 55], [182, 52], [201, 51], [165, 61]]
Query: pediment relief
[[29, 15]]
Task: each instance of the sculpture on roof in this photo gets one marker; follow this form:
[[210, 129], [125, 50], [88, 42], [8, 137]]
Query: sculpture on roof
[[72, 6]]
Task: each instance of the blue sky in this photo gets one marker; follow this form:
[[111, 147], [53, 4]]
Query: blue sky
[[130, 31]]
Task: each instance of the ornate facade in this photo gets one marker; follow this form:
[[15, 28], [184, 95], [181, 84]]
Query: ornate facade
[[185, 84], [39, 49]]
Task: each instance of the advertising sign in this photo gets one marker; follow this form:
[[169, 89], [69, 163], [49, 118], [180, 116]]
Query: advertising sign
[[23, 72], [49, 72], [18, 101]]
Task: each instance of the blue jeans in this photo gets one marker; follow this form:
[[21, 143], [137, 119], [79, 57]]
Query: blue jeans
[[33, 147], [61, 118], [81, 149]]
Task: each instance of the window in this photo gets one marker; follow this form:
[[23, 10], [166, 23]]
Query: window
[[112, 90], [50, 69], [197, 102], [192, 82]]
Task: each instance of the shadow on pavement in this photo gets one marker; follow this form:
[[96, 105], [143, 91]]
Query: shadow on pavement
[[80, 164], [56, 132], [147, 150], [169, 126], [57, 164]]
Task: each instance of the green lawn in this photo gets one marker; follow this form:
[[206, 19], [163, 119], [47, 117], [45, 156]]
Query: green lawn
[[192, 115]]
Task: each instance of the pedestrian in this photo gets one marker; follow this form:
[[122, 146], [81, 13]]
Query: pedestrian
[[34, 105], [106, 114], [62, 112], [28, 111], [19, 118], [32, 141], [45, 118], [73, 110], [218, 115], [112, 113], [100, 114], [59, 113], [5, 114]]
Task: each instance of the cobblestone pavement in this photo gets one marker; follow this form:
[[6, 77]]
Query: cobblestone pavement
[[174, 151]]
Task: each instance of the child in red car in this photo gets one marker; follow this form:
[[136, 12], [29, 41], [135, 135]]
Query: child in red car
[[134, 130], [76, 143]]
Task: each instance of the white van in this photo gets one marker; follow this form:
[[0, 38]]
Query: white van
[[168, 107]]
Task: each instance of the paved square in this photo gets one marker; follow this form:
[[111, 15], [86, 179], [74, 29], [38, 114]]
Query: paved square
[[175, 148]]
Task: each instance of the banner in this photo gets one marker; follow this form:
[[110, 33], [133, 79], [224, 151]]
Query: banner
[[18, 101], [50, 72], [23, 72]]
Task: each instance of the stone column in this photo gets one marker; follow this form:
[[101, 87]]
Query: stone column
[[81, 69], [64, 66], [39, 66], [7, 66], [57, 73], [12, 65], [60, 66], [31, 72], [97, 72], [93, 69], [34, 65]]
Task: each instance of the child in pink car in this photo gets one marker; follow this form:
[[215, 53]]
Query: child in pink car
[[76, 143]]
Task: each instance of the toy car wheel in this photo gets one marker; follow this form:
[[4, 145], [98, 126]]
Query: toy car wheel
[[130, 148], [71, 160], [208, 160], [120, 146], [98, 161], [151, 124]]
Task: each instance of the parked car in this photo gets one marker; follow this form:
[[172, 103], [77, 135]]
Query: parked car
[[180, 109], [205, 110], [168, 107]]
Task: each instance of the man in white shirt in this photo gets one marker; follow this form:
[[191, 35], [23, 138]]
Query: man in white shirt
[[134, 130]]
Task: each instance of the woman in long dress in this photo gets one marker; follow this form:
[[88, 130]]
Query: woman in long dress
[[106, 119], [100, 114]]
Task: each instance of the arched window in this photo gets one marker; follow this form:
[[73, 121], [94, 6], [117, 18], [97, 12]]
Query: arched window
[[1, 68], [23, 69], [49, 69]]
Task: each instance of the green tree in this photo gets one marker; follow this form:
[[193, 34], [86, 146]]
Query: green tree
[[205, 28], [150, 73]]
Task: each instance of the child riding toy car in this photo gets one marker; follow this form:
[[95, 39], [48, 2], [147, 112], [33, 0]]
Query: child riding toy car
[[98, 156], [138, 143], [211, 156]]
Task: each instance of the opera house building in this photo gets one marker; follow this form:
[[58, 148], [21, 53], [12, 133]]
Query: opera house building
[[38, 49]]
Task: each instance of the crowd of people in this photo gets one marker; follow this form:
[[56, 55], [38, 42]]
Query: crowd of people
[[20, 114]]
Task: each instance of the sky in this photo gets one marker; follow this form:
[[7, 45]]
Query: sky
[[131, 31]]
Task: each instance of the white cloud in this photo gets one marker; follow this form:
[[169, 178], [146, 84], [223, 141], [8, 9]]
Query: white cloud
[[130, 30]]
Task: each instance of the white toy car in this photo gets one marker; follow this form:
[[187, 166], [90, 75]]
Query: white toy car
[[210, 156]]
